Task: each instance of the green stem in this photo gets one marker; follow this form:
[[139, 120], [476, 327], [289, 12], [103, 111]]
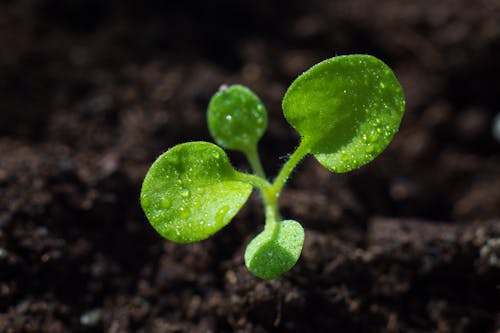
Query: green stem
[[253, 180], [271, 207], [268, 195], [270, 192], [252, 155], [299, 153]]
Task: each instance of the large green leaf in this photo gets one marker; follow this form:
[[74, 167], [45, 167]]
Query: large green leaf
[[275, 250], [346, 108], [236, 118], [189, 193]]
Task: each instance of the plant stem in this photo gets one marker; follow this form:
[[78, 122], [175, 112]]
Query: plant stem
[[271, 207], [269, 196], [270, 192], [252, 155], [253, 180], [290, 165]]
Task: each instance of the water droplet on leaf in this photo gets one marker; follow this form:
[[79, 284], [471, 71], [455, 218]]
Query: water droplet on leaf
[[221, 213], [373, 137], [184, 213], [165, 203]]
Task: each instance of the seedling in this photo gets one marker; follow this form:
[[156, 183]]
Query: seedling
[[346, 110]]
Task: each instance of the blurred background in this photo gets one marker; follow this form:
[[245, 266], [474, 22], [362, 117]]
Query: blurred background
[[92, 91]]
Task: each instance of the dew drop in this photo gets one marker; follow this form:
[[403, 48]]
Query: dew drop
[[343, 156], [185, 193], [215, 154], [229, 117], [165, 203], [369, 149], [221, 213], [184, 212], [374, 137]]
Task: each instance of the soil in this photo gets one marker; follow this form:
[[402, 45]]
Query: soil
[[92, 91]]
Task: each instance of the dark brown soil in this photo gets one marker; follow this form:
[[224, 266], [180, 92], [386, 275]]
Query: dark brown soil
[[92, 91]]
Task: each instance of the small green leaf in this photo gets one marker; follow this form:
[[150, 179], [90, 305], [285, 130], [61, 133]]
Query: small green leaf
[[236, 118], [275, 250], [189, 193], [346, 108]]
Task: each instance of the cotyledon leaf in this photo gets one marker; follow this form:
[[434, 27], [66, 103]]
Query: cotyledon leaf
[[236, 118], [190, 192], [275, 250], [346, 108]]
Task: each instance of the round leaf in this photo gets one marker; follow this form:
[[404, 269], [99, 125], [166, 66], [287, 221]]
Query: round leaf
[[275, 250], [346, 108], [189, 193], [236, 118]]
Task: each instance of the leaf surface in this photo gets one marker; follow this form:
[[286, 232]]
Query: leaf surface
[[190, 192], [346, 108], [236, 118], [275, 250]]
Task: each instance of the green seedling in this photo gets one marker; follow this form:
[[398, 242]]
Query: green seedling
[[346, 110]]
